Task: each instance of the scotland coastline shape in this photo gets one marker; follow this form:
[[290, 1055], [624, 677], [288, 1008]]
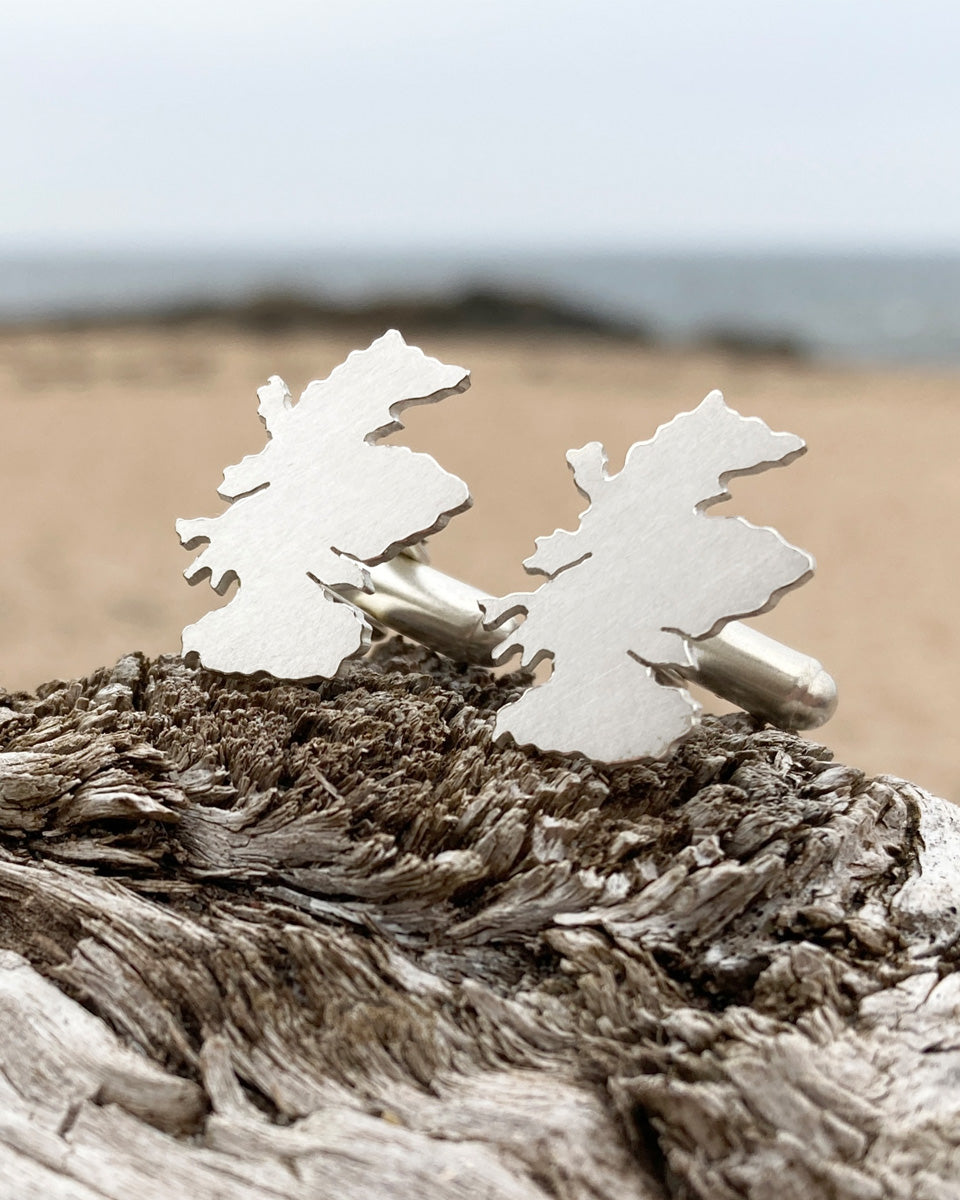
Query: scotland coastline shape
[[618, 611], [319, 502]]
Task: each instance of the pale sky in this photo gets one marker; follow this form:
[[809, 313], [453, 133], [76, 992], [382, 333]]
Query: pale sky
[[535, 123]]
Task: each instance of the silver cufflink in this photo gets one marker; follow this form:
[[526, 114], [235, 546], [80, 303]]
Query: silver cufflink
[[323, 531]]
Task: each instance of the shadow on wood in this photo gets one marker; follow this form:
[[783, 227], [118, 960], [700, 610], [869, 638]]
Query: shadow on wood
[[262, 940]]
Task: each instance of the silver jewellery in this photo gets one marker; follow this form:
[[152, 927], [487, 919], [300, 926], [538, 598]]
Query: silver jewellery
[[645, 574], [319, 502], [323, 531]]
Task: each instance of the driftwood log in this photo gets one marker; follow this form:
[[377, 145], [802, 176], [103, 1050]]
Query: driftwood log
[[260, 940]]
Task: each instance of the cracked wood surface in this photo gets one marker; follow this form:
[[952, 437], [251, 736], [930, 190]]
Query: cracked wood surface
[[262, 940]]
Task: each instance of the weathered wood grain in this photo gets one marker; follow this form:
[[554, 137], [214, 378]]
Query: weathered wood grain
[[264, 940]]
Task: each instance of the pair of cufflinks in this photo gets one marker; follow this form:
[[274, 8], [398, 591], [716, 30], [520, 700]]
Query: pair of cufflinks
[[323, 532]]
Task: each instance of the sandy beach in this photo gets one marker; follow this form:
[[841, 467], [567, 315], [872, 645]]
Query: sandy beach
[[111, 434]]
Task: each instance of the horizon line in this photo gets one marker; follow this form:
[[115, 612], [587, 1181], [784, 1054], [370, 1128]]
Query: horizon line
[[12, 248]]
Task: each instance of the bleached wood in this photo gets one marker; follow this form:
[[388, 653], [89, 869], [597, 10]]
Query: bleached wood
[[263, 940]]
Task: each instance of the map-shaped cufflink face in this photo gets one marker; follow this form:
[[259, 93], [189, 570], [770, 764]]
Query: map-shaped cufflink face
[[320, 500], [646, 570]]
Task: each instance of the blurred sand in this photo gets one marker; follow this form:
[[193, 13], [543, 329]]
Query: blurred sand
[[109, 435]]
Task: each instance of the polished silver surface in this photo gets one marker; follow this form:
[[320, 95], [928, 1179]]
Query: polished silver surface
[[757, 673], [789, 689], [413, 598]]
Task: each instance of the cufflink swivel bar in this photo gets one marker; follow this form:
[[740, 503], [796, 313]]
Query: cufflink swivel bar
[[789, 689]]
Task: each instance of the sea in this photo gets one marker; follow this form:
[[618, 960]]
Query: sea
[[846, 308]]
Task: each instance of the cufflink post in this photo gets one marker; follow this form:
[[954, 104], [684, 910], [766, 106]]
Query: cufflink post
[[757, 673]]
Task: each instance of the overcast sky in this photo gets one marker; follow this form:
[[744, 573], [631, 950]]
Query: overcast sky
[[581, 123]]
